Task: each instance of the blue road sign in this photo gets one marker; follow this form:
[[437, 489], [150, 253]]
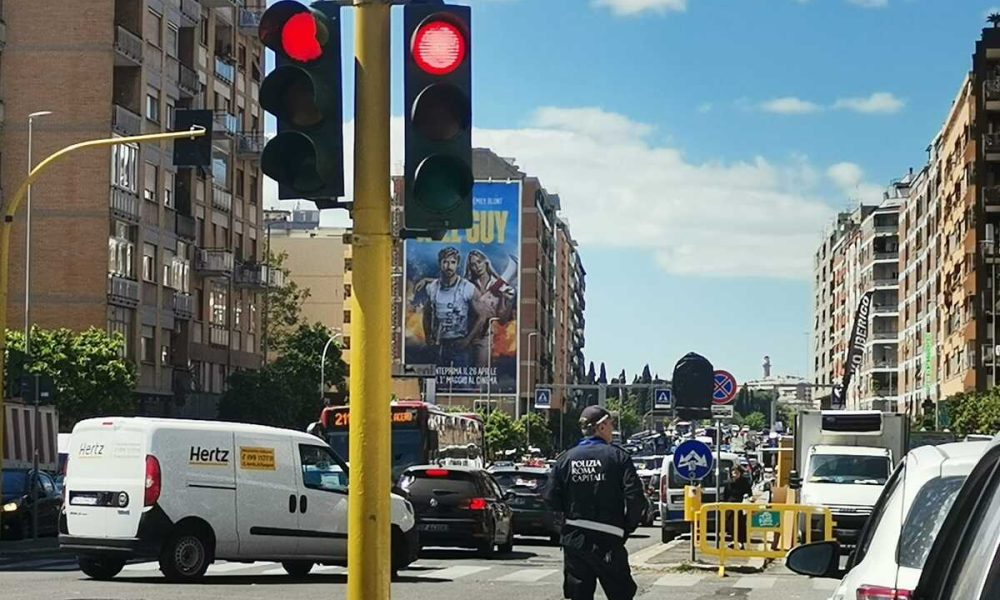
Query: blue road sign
[[543, 398], [725, 388], [693, 460], [662, 399]]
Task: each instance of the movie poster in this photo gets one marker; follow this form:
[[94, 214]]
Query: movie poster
[[462, 296]]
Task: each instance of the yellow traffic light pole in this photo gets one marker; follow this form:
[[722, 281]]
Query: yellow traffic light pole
[[369, 511], [8, 224]]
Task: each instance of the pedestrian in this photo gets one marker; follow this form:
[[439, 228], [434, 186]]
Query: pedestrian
[[597, 489], [736, 490]]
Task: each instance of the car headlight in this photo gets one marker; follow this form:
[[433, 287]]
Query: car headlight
[[11, 507]]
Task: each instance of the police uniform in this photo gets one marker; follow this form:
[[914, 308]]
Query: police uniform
[[597, 489]]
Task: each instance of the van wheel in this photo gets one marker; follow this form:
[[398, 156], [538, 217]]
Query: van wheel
[[297, 568], [185, 556], [101, 568]]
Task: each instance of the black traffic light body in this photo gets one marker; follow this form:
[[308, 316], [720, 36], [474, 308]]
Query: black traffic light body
[[693, 383], [196, 152], [437, 83], [305, 93]]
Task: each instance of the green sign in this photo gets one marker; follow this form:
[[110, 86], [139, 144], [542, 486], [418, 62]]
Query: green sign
[[928, 362], [765, 519]]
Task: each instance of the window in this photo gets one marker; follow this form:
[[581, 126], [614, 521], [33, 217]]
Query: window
[[168, 189], [173, 36], [120, 323], [121, 249], [147, 345], [125, 167], [165, 357], [218, 302], [252, 325], [253, 189], [154, 28], [929, 509], [149, 263], [347, 290], [237, 316], [203, 28], [171, 113], [149, 186], [168, 268], [241, 57], [153, 104], [321, 471], [239, 183], [347, 342], [347, 316]]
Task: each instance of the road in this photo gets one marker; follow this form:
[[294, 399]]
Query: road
[[532, 571]]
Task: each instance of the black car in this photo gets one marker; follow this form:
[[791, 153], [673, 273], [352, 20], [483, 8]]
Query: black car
[[459, 506], [19, 506], [523, 488]]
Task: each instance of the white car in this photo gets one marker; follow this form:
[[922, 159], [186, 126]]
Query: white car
[[906, 519]]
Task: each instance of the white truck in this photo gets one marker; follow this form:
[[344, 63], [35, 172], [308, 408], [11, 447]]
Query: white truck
[[842, 460]]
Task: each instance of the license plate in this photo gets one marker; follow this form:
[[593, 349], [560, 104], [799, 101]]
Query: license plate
[[84, 500], [432, 527]]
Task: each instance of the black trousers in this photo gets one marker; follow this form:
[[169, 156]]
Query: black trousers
[[589, 558]]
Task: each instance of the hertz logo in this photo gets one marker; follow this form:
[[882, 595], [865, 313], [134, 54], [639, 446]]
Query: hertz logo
[[209, 457]]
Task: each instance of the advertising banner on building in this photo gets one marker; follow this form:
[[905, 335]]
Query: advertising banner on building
[[461, 298], [855, 349]]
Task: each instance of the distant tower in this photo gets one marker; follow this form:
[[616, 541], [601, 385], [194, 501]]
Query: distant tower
[[767, 367]]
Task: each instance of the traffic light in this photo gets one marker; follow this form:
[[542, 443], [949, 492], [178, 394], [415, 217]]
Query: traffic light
[[437, 81], [693, 384], [304, 92], [194, 152]]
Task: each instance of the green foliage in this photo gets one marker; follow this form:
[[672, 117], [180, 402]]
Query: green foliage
[[285, 392], [283, 306], [628, 420], [755, 421], [540, 435], [89, 375], [502, 433], [975, 413]]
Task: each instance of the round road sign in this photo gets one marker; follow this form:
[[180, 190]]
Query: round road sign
[[725, 388]]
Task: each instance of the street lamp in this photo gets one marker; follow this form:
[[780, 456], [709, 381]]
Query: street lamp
[[27, 238], [322, 365], [532, 376], [489, 364]]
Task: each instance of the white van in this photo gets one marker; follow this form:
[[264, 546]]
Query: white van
[[671, 500], [190, 492]]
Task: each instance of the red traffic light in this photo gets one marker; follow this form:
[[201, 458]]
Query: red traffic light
[[439, 47], [299, 39]]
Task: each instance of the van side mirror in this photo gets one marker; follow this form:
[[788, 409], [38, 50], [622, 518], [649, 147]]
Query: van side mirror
[[794, 481], [819, 559], [316, 429]]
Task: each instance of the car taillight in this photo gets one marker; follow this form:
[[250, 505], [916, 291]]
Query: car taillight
[[152, 481], [663, 489], [877, 592], [436, 472], [477, 504]]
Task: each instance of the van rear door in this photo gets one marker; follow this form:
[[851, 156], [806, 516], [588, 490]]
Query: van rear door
[[105, 480]]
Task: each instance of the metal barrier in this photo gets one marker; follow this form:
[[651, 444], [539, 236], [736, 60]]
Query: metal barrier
[[759, 530]]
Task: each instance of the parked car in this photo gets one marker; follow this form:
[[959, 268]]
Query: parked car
[[523, 488], [18, 506], [459, 506], [962, 563]]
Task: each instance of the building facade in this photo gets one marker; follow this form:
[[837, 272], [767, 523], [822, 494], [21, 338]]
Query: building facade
[[570, 292], [121, 239]]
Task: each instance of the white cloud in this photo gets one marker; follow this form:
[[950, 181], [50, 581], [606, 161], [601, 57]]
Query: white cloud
[[635, 7], [790, 105], [850, 179], [883, 103], [705, 107], [870, 3]]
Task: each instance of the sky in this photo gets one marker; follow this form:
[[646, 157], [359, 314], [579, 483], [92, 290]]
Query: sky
[[701, 148]]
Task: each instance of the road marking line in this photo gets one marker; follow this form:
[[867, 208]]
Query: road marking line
[[229, 567], [825, 585], [679, 580], [143, 566], [527, 575], [452, 572], [756, 583], [643, 556], [318, 570], [38, 563]]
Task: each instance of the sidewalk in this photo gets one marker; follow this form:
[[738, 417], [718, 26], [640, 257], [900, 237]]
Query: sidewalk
[[676, 556], [44, 545]]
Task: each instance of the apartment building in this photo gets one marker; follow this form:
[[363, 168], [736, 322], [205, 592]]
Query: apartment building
[[121, 239], [570, 290]]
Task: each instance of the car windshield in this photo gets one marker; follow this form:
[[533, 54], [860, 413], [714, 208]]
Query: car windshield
[[14, 483], [927, 513], [526, 481], [848, 468]]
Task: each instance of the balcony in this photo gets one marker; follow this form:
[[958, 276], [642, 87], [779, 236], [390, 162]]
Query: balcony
[[185, 227], [885, 310], [991, 93], [218, 335], [187, 81], [886, 255], [128, 48], [225, 124], [220, 3], [991, 195], [884, 283], [885, 335], [124, 121], [224, 71], [191, 10], [259, 276], [124, 205], [123, 291], [250, 145], [883, 229], [885, 363], [991, 146], [214, 263], [183, 306], [250, 20], [222, 199]]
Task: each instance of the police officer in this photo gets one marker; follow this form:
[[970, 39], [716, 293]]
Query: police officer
[[596, 488]]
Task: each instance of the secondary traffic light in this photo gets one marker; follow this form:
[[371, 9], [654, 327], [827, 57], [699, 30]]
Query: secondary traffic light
[[437, 81], [304, 92], [196, 152]]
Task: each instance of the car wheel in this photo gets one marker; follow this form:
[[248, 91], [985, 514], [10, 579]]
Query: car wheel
[[555, 538], [487, 546], [185, 556], [297, 568], [508, 546], [101, 568]]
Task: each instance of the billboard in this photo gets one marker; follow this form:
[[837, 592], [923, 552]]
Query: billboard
[[855, 350], [461, 297]]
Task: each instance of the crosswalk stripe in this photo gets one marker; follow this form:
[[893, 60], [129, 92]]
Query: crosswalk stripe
[[143, 566], [38, 564], [229, 567], [679, 580], [527, 575], [329, 569], [825, 585], [755, 583], [452, 572]]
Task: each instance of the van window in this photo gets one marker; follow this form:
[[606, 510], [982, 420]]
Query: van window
[[320, 470], [927, 514], [675, 481]]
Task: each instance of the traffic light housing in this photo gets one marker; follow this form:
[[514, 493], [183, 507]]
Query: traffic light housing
[[193, 152], [693, 384], [437, 83], [304, 93]]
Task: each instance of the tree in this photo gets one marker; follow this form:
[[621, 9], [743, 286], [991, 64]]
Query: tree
[[628, 420], [89, 374], [603, 377], [975, 413], [535, 431], [282, 305], [755, 421], [502, 434], [591, 373], [994, 19], [286, 392]]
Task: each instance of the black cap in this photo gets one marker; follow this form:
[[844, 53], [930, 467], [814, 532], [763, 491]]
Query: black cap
[[592, 416]]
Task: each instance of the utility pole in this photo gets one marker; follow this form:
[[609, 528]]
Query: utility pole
[[369, 513]]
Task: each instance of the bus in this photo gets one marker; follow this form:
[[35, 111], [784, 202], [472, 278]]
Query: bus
[[422, 434]]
